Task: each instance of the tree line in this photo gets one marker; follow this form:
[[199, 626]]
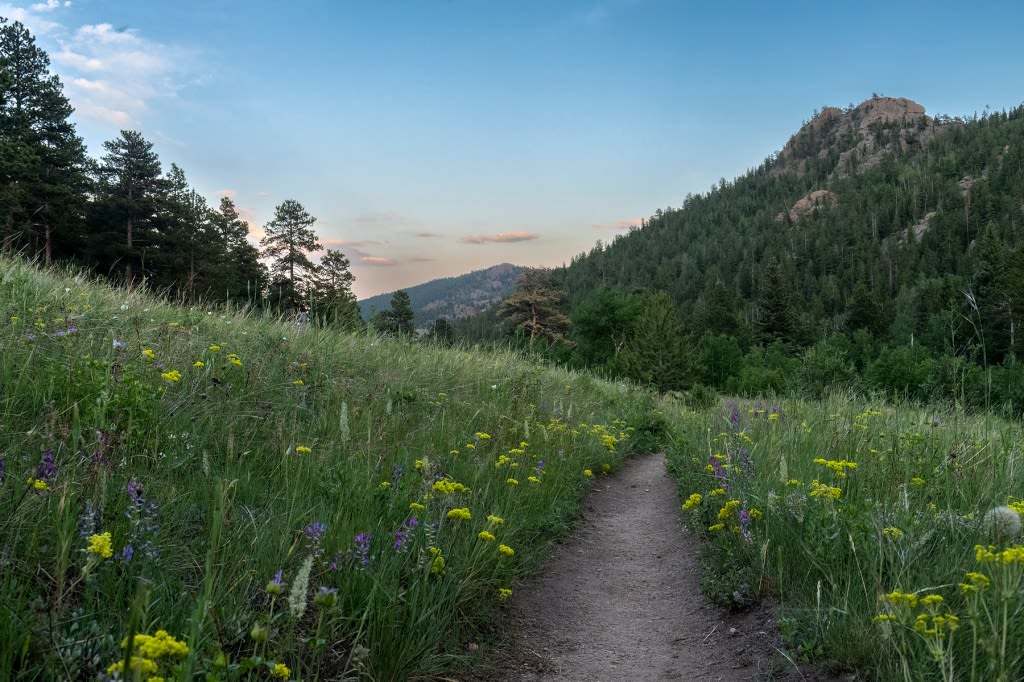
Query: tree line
[[124, 218]]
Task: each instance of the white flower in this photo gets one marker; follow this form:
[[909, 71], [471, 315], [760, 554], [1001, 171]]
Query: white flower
[[300, 586]]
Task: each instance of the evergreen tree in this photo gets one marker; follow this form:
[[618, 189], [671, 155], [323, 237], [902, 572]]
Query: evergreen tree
[[131, 193], [42, 159], [535, 307], [398, 319], [332, 297], [288, 241], [244, 277], [657, 352]]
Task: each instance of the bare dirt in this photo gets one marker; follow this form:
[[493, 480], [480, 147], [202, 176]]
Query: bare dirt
[[620, 600]]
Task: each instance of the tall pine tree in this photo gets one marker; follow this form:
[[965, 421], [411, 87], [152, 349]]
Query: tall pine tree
[[288, 242]]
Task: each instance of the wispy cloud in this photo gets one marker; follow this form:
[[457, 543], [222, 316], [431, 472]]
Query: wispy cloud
[[427, 235], [500, 238], [421, 259], [377, 261], [111, 75]]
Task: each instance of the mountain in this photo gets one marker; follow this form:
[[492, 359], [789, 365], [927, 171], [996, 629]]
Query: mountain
[[880, 247], [451, 297]]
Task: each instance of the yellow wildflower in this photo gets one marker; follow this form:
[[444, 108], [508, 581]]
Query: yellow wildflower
[[486, 536], [506, 550], [199, 363], [511, 481], [437, 565], [235, 360], [100, 545], [533, 479], [893, 532], [281, 670], [462, 513], [213, 348], [298, 382], [172, 376], [692, 501], [496, 520], [587, 473], [714, 528], [38, 484], [303, 450], [416, 506], [504, 593], [148, 353], [483, 436]]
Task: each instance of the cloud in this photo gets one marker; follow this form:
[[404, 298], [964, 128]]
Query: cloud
[[111, 75], [377, 261], [421, 259], [427, 235], [500, 238], [628, 224]]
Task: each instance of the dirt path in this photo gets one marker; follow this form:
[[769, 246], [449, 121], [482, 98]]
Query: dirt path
[[619, 600]]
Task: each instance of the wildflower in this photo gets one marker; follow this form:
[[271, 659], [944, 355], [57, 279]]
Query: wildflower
[[975, 582], [303, 450], [504, 593], [917, 481], [297, 596], [486, 536], [587, 473], [298, 382], [47, 469], [897, 598], [142, 666], [714, 528], [605, 468], [199, 363], [511, 481], [893, 532], [483, 436], [470, 446], [213, 348], [823, 491], [276, 585], [235, 360], [419, 464], [2, 466], [281, 670], [693, 501], [840, 467], [437, 564], [462, 513], [172, 376], [38, 484], [314, 532], [533, 479], [126, 554], [416, 506], [158, 645], [506, 550], [495, 520], [100, 545], [148, 353], [325, 596], [362, 542]]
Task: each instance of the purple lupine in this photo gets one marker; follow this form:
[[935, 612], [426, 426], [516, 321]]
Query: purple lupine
[[744, 516], [126, 554], [314, 533], [540, 467], [47, 469], [101, 455], [142, 515], [403, 533], [362, 550]]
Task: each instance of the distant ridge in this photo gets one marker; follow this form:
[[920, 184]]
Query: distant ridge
[[451, 297]]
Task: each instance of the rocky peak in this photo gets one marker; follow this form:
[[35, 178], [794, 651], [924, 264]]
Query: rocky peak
[[854, 139]]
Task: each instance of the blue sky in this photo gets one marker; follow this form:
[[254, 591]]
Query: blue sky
[[435, 137]]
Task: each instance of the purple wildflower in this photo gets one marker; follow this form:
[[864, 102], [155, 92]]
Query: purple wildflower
[[3, 465], [141, 513], [314, 533], [402, 534], [88, 521], [362, 550], [126, 554], [540, 467], [745, 523]]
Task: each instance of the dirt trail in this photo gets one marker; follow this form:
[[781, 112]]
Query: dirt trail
[[619, 600]]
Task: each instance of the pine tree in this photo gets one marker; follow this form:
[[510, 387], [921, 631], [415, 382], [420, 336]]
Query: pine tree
[[535, 307], [42, 159], [397, 320], [244, 277], [131, 193], [332, 297], [288, 241]]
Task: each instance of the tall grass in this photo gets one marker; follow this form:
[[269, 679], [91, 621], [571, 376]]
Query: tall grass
[[870, 525], [193, 494]]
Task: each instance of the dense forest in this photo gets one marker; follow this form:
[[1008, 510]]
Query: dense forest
[[879, 250]]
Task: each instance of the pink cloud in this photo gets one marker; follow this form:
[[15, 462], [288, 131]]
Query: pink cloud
[[628, 224], [378, 261], [501, 237]]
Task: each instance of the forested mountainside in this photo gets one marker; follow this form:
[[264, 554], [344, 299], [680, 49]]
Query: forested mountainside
[[877, 235], [451, 297]]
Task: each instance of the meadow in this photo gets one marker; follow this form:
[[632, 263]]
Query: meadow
[[191, 493]]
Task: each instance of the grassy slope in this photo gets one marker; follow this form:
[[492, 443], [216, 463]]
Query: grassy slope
[[219, 449]]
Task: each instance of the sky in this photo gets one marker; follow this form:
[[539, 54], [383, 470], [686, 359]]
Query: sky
[[431, 138]]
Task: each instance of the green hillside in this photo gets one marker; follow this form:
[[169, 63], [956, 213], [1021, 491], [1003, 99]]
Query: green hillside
[[879, 250]]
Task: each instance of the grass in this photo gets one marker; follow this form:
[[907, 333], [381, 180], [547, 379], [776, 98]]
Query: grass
[[870, 526], [201, 494]]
